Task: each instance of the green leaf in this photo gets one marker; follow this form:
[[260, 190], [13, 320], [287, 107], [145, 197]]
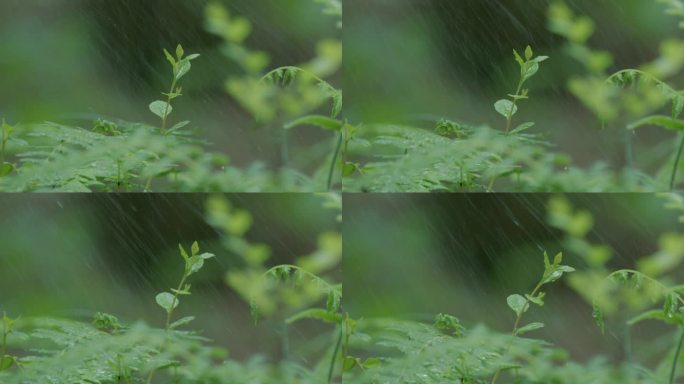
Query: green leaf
[[521, 127], [206, 255], [181, 292], [6, 169], [529, 327], [183, 253], [656, 314], [333, 300], [179, 52], [677, 106], [7, 362], [337, 104], [350, 362], [178, 126], [315, 313], [518, 58], [506, 108], [194, 249], [660, 121], [181, 322], [161, 108], [539, 299], [371, 362], [517, 303], [528, 53], [183, 69], [170, 57], [531, 68], [317, 121], [167, 301], [195, 263]]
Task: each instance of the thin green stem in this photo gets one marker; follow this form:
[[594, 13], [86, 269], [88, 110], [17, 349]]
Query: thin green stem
[[175, 300], [334, 161], [676, 357], [286, 341], [676, 164], [517, 322], [284, 148], [4, 143], [629, 149], [509, 118], [168, 318], [4, 345], [168, 103], [331, 370]]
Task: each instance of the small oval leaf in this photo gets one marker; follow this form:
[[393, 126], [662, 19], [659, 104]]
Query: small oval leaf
[[161, 108], [167, 301], [506, 108]]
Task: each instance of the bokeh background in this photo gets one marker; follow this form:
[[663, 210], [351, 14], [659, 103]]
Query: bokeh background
[[72, 255], [412, 256], [409, 61], [72, 61]]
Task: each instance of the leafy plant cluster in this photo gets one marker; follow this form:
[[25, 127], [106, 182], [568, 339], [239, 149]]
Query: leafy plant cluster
[[446, 350], [107, 350], [455, 156], [125, 156]]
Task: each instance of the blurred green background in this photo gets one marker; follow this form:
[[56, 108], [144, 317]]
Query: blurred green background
[[72, 255], [412, 256], [412, 61], [72, 61]]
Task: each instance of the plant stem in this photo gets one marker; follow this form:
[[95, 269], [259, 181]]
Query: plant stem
[[168, 103], [4, 142], [629, 150], [168, 318], [334, 161], [284, 148], [517, 323], [676, 357], [509, 118], [3, 352], [175, 300], [676, 164], [331, 370], [285, 341]]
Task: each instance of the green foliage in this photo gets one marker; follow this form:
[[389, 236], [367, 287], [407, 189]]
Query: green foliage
[[462, 157], [289, 293], [125, 156], [446, 351], [410, 159], [287, 96], [108, 351]]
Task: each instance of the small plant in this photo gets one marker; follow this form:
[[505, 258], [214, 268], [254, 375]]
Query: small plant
[[169, 300], [521, 304], [181, 65], [7, 361], [529, 66], [5, 167]]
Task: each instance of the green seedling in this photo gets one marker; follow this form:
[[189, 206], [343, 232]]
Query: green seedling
[[180, 65], [529, 66], [520, 304], [170, 300]]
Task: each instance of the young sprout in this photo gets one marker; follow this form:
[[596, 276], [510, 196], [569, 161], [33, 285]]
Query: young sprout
[[5, 134], [529, 66], [521, 304], [169, 300], [181, 66]]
